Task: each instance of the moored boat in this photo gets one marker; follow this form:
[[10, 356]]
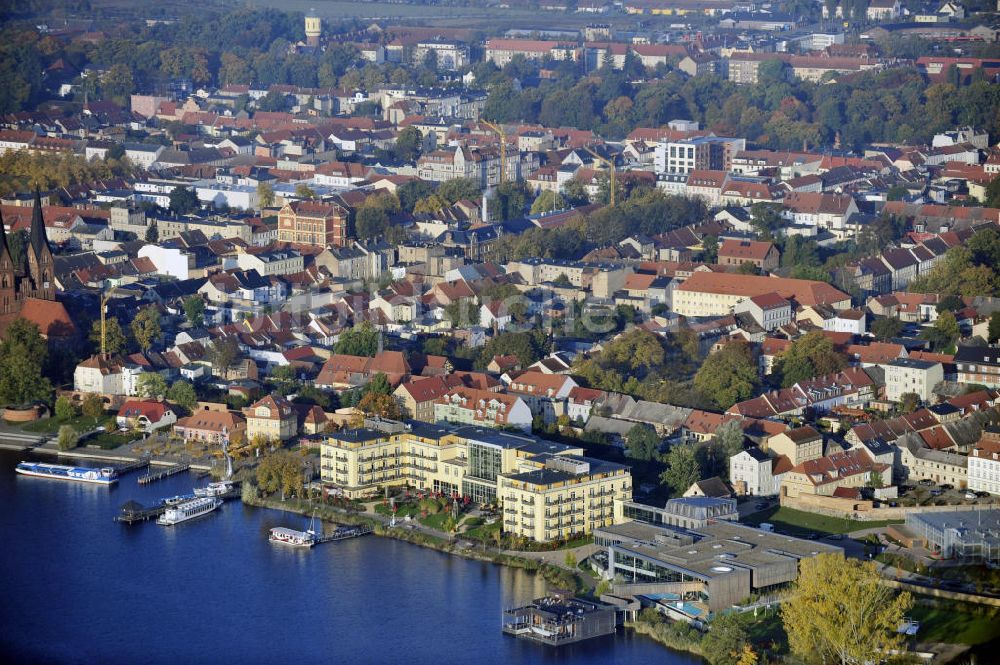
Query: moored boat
[[286, 536], [80, 474], [220, 488], [188, 510]]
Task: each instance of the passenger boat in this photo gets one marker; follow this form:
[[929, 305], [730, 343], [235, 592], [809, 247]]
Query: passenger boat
[[80, 474], [188, 510], [286, 536], [220, 488]]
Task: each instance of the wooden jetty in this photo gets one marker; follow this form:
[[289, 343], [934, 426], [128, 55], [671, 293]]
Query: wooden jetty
[[343, 533], [129, 467], [136, 512], [166, 473]]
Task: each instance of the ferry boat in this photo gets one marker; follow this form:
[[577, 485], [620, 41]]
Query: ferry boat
[[188, 510], [80, 474], [220, 488], [286, 536]]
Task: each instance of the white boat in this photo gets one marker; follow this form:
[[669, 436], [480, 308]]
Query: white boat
[[188, 510], [286, 536], [220, 488], [80, 474]]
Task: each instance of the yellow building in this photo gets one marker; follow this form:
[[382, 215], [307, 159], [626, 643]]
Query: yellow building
[[798, 445], [272, 418], [485, 465], [562, 497]]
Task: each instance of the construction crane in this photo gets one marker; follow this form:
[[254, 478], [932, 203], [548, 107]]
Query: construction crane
[[611, 165], [503, 147], [105, 297]]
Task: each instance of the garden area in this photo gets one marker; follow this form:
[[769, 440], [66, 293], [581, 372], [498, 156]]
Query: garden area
[[954, 622], [801, 523]]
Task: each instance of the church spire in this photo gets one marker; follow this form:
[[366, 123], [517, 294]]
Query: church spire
[[38, 239]]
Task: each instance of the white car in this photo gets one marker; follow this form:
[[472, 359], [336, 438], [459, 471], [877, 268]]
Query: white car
[[970, 495]]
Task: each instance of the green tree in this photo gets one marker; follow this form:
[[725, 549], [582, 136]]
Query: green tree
[[909, 402], [152, 233], [23, 353], [408, 143], [64, 409], [811, 355], [993, 331], [683, 469], [458, 189], [728, 375], [115, 340], [151, 385], [944, 332], [710, 249], [361, 340], [547, 201], [194, 311], [222, 354], [265, 194], [642, 442], [183, 201], [887, 327], [118, 84], [92, 407], [841, 612], [523, 345], [304, 191], [379, 385], [146, 327], [67, 438], [183, 394], [726, 638], [281, 471]]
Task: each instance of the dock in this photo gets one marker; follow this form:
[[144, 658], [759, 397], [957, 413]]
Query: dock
[[129, 467], [136, 512], [343, 533], [160, 475]]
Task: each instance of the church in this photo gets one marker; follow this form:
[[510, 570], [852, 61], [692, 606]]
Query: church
[[27, 287]]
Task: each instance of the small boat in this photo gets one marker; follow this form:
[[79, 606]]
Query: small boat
[[220, 488], [188, 510], [175, 500], [80, 474], [286, 536]]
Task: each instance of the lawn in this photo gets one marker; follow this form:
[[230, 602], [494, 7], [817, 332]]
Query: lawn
[[799, 522], [483, 532], [436, 521], [955, 623], [79, 423]]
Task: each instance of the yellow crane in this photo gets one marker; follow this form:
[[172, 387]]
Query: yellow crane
[[503, 147], [105, 297], [611, 165]]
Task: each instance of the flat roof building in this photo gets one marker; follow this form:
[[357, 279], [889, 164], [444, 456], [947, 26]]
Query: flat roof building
[[971, 535]]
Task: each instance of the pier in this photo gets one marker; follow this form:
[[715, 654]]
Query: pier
[[129, 467], [343, 533], [160, 475], [136, 512]]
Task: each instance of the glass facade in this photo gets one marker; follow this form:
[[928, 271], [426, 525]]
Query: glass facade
[[478, 490], [485, 461]]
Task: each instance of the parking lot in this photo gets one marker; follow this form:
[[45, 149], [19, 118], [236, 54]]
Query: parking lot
[[926, 493]]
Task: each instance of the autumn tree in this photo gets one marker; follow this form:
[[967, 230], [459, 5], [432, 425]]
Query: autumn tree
[[727, 637], [67, 437], [151, 385], [683, 469], [64, 409], [547, 201], [381, 405], [23, 352], [146, 327], [281, 471], [728, 376], [265, 194], [222, 354], [92, 407], [839, 611]]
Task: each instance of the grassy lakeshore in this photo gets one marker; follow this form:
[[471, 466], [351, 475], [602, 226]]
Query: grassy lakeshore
[[554, 575]]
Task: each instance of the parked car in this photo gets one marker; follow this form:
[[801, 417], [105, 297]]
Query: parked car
[[947, 486], [937, 492], [926, 481], [970, 496], [982, 495]]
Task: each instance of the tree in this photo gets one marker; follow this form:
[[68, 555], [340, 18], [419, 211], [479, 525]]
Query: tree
[[748, 656], [381, 405], [67, 438], [458, 189], [23, 353], [152, 233], [547, 201], [728, 375], [887, 327], [642, 442], [509, 201], [909, 402], [683, 469], [115, 340], [222, 354], [811, 355], [281, 471], [183, 201], [304, 191], [183, 394], [840, 611], [265, 194], [146, 327], [728, 635], [92, 407], [64, 408], [726, 442], [194, 311], [361, 340], [379, 385], [993, 332], [875, 479], [151, 385], [710, 249], [408, 144], [943, 333]]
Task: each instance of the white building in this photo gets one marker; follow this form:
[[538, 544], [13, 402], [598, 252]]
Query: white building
[[106, 376], [984, 463], [908, 375], [750, 472], [170, 261]]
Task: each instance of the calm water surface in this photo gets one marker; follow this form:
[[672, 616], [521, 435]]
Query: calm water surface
[[76, 587]]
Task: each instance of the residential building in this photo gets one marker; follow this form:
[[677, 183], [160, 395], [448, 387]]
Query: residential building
[[798, 445], [984, 462], [271, 418], [978, 364], [918, 461], [145, 415], [545, 394], [313, 223], [763, 255], [716, 294], [470, 406], [824, 476], [907, 375], [212, 426], [106, 375], [751, 473]]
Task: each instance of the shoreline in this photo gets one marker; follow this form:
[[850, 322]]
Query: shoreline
[[93, 454]]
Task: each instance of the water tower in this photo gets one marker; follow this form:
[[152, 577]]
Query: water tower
[[314, 26]]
